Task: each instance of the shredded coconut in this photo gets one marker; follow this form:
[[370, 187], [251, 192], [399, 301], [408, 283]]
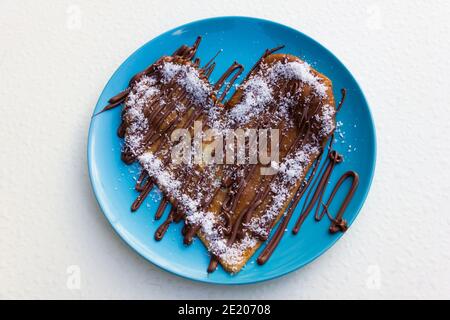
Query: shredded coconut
[[189, 78], [257, 94], [290, 170], [300, 71], [327, 119], [142, 92]]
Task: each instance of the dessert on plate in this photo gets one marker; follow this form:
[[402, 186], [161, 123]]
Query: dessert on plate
[[230, 202]]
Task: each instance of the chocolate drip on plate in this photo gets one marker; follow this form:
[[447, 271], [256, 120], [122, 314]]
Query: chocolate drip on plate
[[338, 223]]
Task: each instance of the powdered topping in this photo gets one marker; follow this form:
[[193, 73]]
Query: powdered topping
[[289, 171], [258, 90], [257, 94], [143, 91], [299, 71], [327, 119], [292, 167], [233, 254], [189, 78], [156, 169]]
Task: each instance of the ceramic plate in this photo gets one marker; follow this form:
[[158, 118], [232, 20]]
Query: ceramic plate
[[242, 39]]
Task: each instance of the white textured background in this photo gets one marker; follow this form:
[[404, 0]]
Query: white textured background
[[56, 56]]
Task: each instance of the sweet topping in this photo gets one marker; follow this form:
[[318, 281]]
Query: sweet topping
[[230, 206], [257, 94], [189, 78], [142, 92], [298, 71]]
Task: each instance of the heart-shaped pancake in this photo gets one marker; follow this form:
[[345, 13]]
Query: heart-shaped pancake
[[230, 206]]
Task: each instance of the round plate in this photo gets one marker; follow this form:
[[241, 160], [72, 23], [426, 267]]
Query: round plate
[[242, 39]]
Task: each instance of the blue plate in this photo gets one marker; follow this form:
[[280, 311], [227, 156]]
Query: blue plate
[[242, 39]]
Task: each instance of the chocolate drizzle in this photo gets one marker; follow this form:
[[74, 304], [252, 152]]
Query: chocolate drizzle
[[144, 193], [273, 243], [320, 186], [344, 94], [319, 183], [338, 223], [184, 52], [162, 206], [165, 117], [162, 229], [234, 67]]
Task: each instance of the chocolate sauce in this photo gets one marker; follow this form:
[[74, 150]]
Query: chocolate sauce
[[316, 181], [265, 55], [140, 199], [162, 229], [189, 233], [338, 223], [273, 242], [344, 94], [142, 181], [334, 158], [210, 69], [235, 68], [162, 206], [213, 263], [211, 61], [157, 118], [230, 84], [184, 51], [238, 228]]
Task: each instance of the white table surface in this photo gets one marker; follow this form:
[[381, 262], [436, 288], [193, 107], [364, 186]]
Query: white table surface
[[55, 58]]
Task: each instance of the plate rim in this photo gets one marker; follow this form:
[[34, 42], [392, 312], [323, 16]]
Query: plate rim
[[130, 243]]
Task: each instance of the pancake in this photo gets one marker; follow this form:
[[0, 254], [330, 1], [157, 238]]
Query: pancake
[[230, 206]]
